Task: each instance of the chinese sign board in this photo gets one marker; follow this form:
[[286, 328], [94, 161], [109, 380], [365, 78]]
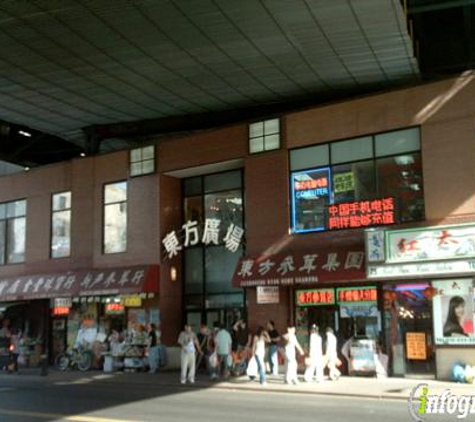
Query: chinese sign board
[[343, 182], [416, 346], [81, 283], [352, 215], [60, 311], [267, 295], [310, 190], [191, 235], [454, 313], [430, 244], [374, 243], [301, 268], [115, 309], [347, 295], [62, 302], [428, 251], [133, 301], [315, 297]]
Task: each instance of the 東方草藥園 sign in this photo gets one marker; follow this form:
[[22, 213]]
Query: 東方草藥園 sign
[[191, 235]]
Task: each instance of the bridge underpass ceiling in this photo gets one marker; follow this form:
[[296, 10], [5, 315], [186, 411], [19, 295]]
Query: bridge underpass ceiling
[[68, 65]]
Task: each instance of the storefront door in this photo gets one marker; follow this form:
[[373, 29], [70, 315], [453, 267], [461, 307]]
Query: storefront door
[[409, 337]]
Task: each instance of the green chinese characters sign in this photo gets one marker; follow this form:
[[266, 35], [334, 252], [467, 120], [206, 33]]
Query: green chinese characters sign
[[343, 182]]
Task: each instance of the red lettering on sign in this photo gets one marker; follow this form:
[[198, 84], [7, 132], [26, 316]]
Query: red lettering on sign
[[361, 214], [60, 310], [358, 295]]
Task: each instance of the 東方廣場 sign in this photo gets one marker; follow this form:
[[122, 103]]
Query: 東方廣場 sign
[[327, 265], [358, 214], [191, 235]]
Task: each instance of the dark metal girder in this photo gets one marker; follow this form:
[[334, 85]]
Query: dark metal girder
[[210, 120], [417, 6]]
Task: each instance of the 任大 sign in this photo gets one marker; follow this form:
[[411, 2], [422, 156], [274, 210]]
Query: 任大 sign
[[209, 235]]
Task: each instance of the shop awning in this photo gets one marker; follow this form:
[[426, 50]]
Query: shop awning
[[306, 267], [110, 281]]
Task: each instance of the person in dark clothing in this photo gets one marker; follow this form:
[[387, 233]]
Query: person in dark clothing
[[152, 349], [241, 336], [273, 347]]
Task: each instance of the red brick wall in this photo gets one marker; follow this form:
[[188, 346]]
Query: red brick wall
[[203, 148], [170, 291]]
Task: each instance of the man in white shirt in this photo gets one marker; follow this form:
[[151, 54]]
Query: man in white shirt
[[223, 342]]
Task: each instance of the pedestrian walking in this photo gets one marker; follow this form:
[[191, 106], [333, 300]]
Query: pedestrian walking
[[273, 348], [332, 355], [153, 352], [189, 345], [290, 356], [315, 357], [223, 343], [259, 352]]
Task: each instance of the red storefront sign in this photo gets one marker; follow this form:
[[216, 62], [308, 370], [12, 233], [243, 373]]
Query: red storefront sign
[[352, 215], [311, 267], [111, 281], [115, 309], [357, 294], [315, 297], [60, 310]]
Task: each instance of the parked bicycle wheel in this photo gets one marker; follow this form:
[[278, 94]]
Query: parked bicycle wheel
[[84, 361], [62, 361]]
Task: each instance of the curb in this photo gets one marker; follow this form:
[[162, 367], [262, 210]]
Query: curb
[[202, 385]]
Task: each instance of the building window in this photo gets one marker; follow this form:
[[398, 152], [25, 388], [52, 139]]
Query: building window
[[115, 217], [209, 295], [12, 232], [61, 225], [264, 136], [142, 161], [361, 169]]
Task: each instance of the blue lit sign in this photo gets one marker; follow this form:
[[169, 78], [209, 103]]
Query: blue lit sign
[[310, 196]]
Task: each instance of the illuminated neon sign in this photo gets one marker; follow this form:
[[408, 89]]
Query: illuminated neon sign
[[60, 310], [352, 215], [315, 297], [358, 295], [311, 192], [114, 308]]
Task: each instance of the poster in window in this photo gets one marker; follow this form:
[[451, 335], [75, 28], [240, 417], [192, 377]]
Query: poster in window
[[453, 307]]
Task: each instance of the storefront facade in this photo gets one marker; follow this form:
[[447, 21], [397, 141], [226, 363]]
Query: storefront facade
[[301, 184]]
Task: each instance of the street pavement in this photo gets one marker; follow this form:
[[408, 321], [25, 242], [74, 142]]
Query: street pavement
[[98, 397]]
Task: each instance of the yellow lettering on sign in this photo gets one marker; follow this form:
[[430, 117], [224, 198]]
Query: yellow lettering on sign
[[134, 301]]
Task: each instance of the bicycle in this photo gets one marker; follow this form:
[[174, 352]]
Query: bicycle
[[79, 357]]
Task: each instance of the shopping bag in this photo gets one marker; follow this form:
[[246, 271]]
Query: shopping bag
[[213, 360], [252, 369]]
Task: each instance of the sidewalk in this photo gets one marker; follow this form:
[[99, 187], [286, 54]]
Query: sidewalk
[[389, 388]]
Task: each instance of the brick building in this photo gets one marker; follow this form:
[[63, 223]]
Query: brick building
[[413, 145]]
